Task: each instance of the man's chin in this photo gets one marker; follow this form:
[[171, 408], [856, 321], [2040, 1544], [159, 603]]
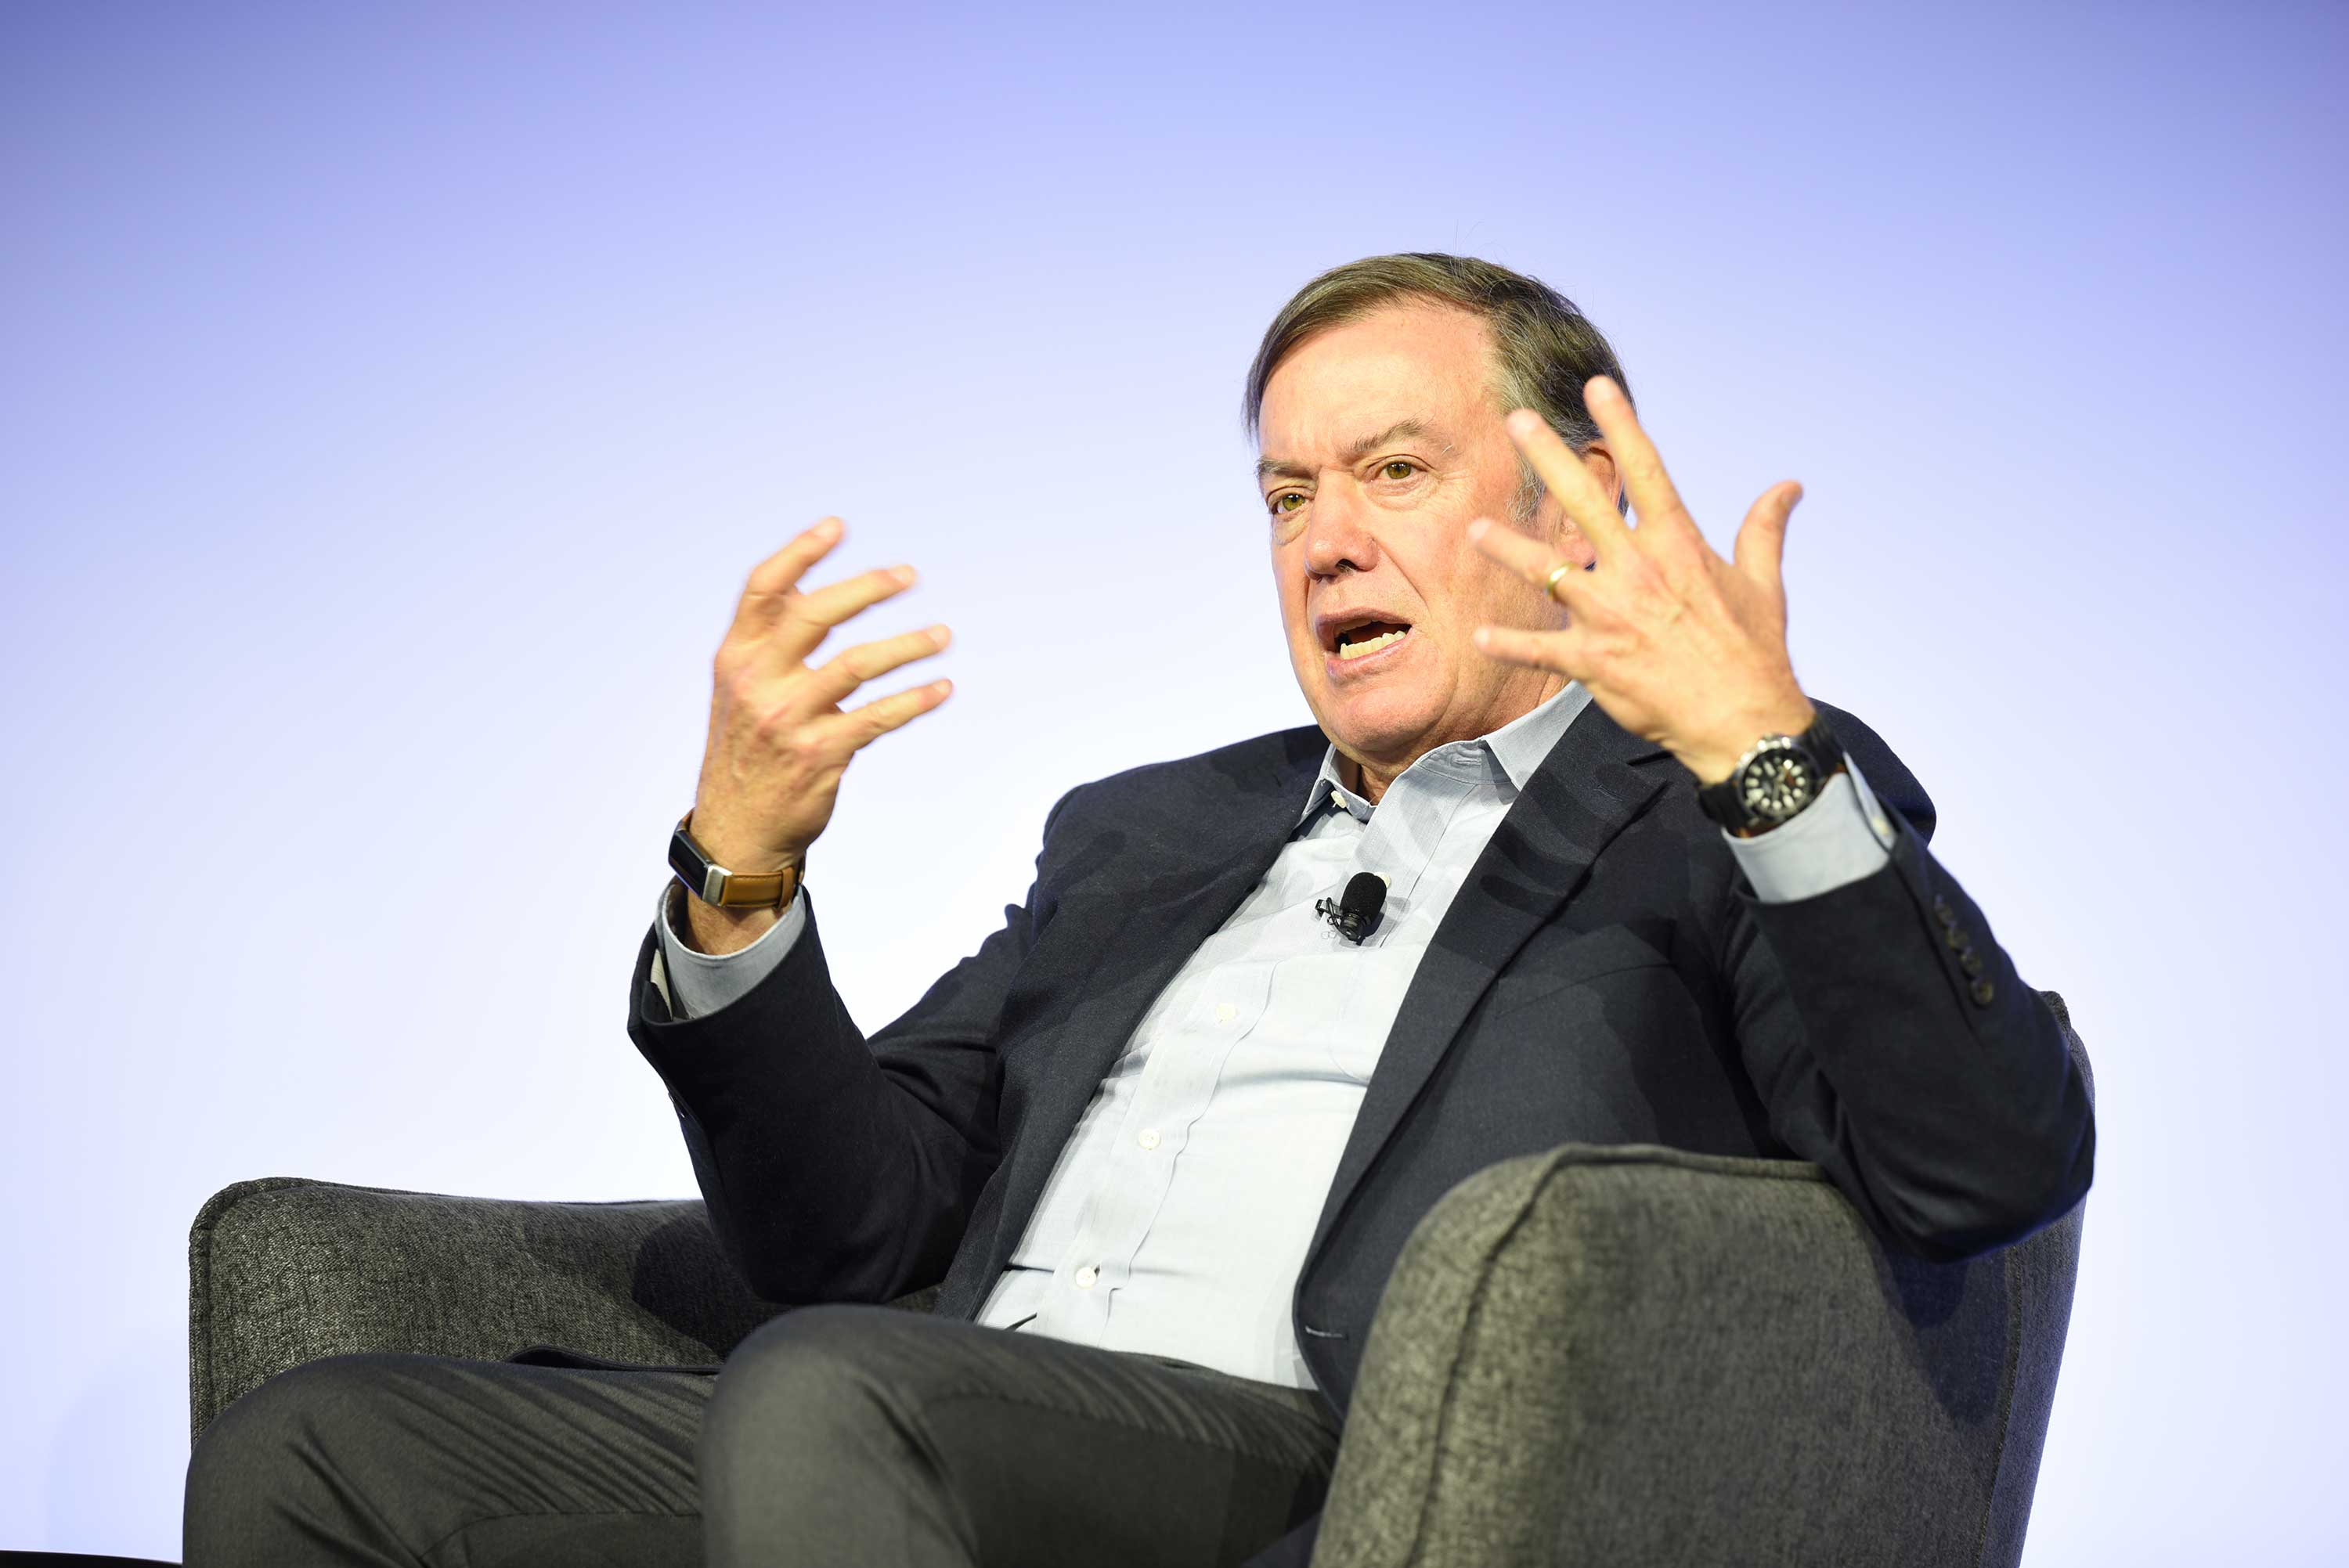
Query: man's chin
[[1377, 722]]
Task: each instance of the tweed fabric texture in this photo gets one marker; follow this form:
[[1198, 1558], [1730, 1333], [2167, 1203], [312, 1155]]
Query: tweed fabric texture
[[283, 1271], [1633, 1354]]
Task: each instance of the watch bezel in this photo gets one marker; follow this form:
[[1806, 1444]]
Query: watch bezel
[[1775, 751], [1726, 801]]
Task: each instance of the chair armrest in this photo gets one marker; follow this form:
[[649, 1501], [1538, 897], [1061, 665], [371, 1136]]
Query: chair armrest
[[283, 1271], [1638, 1355]]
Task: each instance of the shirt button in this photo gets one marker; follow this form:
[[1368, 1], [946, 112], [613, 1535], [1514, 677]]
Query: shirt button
[[1149, 1139], [1226, 1012], [1086, 1275]]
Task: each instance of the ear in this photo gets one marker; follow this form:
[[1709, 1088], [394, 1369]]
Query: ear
[[1601, 464], [1553, 526], [1572, 544]]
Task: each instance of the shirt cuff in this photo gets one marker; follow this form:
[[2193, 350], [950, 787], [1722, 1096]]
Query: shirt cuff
[[695, 985], [1837, 839]]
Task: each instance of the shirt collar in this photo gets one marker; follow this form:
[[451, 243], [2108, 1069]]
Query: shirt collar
[[1516, 749]]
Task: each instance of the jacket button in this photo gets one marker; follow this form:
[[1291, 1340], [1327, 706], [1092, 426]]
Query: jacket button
[[1958, 940], [1942, 912], [1971, 962], [1982, 993]]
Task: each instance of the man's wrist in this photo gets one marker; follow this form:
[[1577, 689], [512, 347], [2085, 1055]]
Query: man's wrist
[[725, 883], [709, 929], [1714, 760]]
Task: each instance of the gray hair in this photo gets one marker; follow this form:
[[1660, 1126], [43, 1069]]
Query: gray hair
[[1544, 349]]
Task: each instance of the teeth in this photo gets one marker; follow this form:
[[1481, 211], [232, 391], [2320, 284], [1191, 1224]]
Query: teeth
[[1357, 650]]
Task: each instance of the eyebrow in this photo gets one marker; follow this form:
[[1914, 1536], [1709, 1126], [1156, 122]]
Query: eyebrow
[[1267, 468]]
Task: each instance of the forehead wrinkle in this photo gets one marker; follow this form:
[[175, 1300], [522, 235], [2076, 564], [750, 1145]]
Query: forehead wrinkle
[[1356, 450]]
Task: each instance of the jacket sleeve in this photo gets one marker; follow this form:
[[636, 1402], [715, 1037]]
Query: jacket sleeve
[[1892, 1043], [837, 1167]]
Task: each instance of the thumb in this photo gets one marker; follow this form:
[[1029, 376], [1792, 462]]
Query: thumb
[[1761, 537]]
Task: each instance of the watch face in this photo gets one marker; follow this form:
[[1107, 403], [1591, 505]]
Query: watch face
[[1778, 783], [690, 868]]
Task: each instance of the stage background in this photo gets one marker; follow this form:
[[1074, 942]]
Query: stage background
[[394, 397]]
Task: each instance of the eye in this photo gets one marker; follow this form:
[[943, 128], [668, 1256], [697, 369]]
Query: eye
[[1280, 504], [1398, 469]]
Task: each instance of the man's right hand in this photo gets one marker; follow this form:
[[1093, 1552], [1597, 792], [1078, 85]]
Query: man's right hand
[[779, 741]]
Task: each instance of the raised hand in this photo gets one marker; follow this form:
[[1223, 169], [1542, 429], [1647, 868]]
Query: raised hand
[[778, 739], [1677, 644]]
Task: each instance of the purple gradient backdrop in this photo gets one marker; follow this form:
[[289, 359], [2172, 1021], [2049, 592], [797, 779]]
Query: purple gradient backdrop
[[394, 397]]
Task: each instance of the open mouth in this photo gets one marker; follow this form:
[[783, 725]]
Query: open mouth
[[1361, 639]]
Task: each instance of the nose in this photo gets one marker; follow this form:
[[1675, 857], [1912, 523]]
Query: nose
[[1335, 536]]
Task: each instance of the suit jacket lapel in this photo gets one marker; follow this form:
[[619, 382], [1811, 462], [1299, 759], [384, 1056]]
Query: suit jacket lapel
[[1219, 850], [1591, 784]]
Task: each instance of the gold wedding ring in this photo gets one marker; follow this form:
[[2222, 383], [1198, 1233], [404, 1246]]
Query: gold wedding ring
[[1557, 574]]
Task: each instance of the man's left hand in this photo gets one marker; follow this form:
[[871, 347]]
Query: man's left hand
[[1677, 644]]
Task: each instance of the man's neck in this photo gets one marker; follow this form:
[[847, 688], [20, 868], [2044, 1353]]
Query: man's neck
[[1369, 778]]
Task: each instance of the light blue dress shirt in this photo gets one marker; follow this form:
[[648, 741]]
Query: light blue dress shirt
[[1176, 1218]]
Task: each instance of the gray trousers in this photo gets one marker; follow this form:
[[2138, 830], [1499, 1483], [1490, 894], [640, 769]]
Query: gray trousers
[[844, 1436]]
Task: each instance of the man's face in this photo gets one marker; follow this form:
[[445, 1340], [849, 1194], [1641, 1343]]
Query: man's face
[[1382, 440]]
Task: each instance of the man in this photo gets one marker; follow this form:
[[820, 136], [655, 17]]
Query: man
[[1567, 856]]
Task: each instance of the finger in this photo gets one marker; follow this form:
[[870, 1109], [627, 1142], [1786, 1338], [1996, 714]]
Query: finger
[[861, 725], [807, 617], [1563, 474], [851, 667], [1636, 458], [1761, 537], [1528, 558], [1544, 650], [773, 579]]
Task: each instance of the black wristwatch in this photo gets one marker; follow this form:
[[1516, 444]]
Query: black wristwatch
[[1782, 774]]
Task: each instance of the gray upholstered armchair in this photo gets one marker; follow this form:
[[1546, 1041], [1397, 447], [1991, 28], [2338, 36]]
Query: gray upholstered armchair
[[1624, 1355]]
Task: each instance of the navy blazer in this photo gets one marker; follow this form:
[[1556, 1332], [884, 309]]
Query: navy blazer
[[1605, 975]]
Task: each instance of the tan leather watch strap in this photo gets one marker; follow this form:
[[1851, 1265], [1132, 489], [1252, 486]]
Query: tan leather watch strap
[[728, 889]]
